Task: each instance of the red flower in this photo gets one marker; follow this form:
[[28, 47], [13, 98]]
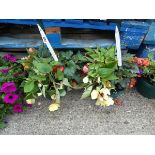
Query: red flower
[[146, 62], [58, 68], [142, 61]]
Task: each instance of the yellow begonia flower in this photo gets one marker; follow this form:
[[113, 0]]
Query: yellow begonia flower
[[85, 80], [108, 102], [54, 107], [94, 94], [30, 101], [100, 98]]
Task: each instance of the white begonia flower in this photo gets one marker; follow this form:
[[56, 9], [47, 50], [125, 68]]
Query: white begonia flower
[[105, 91], [85, 79], [24, 58], [30, 101], [54, 107], [94, 94], [39, 94], [100, 98], [105, 97], [39, 85], [98, 79], [53, 97]]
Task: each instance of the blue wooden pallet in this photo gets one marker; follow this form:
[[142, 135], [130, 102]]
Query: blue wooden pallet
[[132, 34]]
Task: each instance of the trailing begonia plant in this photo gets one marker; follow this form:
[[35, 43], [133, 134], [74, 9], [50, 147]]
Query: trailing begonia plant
[[50, 78], [104, 80], [100, 69]]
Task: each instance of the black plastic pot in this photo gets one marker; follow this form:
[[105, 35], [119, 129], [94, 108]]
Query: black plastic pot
[[145, 88]]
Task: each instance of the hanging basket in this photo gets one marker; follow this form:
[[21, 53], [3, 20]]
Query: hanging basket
[[146, 89]]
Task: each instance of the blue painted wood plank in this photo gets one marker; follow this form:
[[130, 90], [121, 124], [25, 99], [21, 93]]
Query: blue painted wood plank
[[76, 21], [135, 24], [54, 38], [19, 21], [63, 23], [9, 42], [133, 33], [150, 37], [133, 30], [104, 25]]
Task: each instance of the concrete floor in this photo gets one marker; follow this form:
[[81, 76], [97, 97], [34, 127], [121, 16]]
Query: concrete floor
[[136, 116]]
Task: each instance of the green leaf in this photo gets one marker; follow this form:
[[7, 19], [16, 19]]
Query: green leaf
[[42, 67], [87, 92], [62, 92], [66, 82], [66, 55], [1, 106], [44, 90], [111, 77], [59, 75], [104, 72], [28, 87], [2, 125]]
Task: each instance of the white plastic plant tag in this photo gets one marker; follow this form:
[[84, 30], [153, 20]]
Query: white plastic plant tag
[[45, 40], [118, 47]]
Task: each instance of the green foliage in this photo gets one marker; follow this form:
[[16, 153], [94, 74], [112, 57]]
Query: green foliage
[[42, 67], [29, 86], [102, 63], [87, 92], [43, 52], [149, 71], [73, 63], [38, 74]]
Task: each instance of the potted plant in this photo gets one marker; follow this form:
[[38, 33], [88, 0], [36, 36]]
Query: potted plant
[[104, 80], [146, 84]]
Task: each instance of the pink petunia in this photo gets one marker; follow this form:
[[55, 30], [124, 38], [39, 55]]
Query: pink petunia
[[18, 108], [8, 87], [10, 98], [10, 57], [4, 70]]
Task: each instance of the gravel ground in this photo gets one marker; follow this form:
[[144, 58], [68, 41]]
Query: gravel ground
[[82, 117]]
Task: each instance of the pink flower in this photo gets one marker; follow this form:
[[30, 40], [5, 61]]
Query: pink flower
[[10, 57], [8, 87], [5, 70], [10, 98], [18, 108], [85, 69]]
